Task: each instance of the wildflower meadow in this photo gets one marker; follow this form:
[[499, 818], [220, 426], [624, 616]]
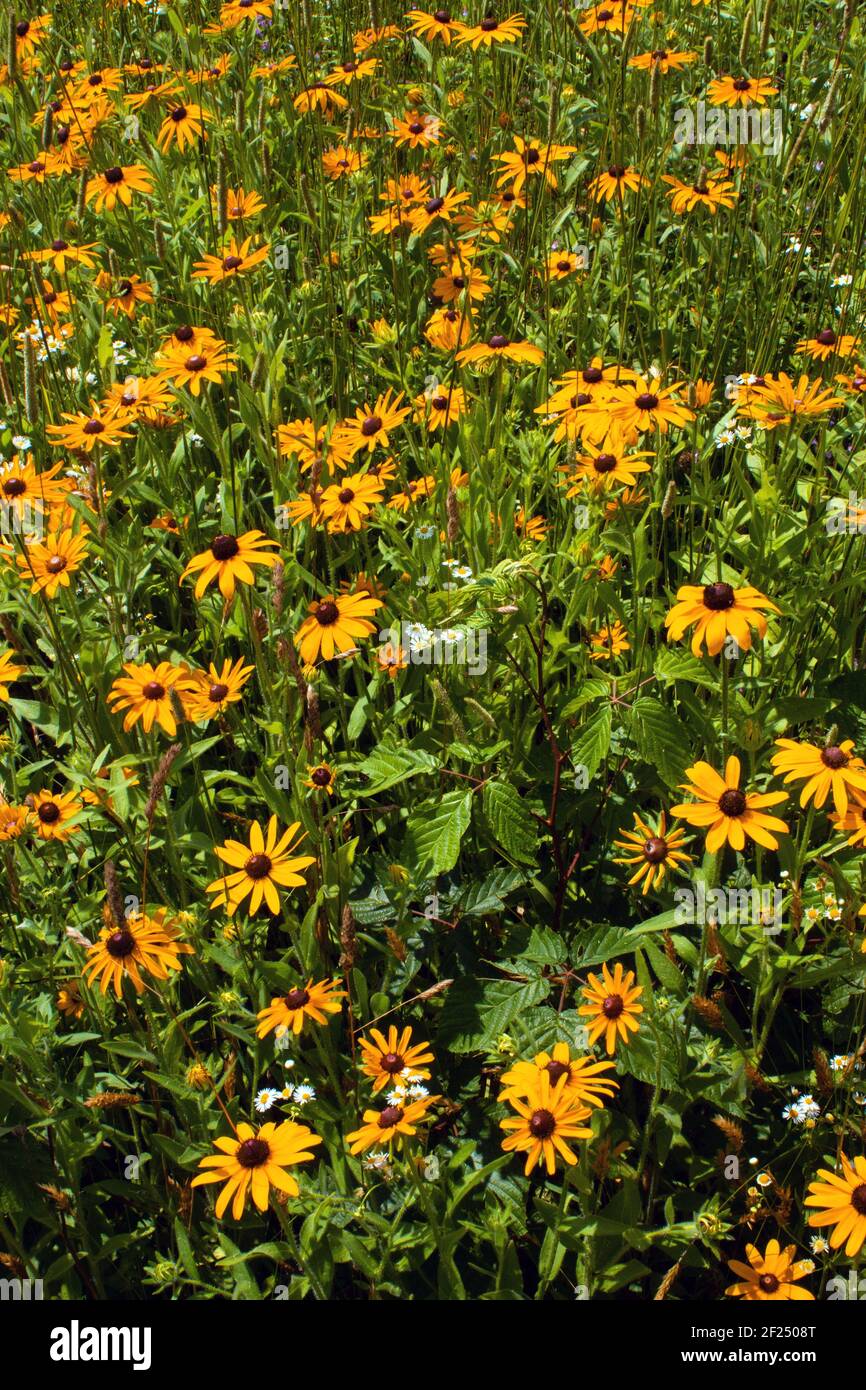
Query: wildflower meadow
[[433, 652]]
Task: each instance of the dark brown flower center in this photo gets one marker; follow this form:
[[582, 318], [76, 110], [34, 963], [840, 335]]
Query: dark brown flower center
[[195, 363], [605, 463], [769, 1283], [742, 84], [184, 333], [732, 802], [49, 812], [371, 426], [327, 613], [392, 1063], [488, 24], [178, 114], [217, 692], [434, 205], [224, 547], [296, 999], [14, 487], [258, 866], [345, 496], [613, 1006], [37, 167], [532, 156], [252, 1153], [120, 944], [646, 401], [442, 16], [231, 262], [94, 427], [22, 28], [834, 758], [321, 776], [498, 341], [718, 597], [152, 690], [56, 564], [615, 171], [124, 288], [417, 127], [60, 245], [858, 1199], [390, 1116], [655, 850], [114, 174], [658, 54], [541, 1124], [826, 337], [555, 1070]]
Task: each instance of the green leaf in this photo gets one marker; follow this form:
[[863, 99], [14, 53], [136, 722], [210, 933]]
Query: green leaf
[[511, 821], [434, 832], [593, 741]]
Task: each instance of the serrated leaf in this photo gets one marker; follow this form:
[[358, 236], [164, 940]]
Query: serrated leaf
[[511, 821], [434, 832]]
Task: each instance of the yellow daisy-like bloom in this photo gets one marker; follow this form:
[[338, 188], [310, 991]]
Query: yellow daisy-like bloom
[[84, 431], [612, 1006], [9, 672], [310, 444], [615, 181], [779, 401], [662, 59], [498, 348], [50, 562], [140, 943], [827, 343], [229, 561], [145, 693], [438, 25], [53, 814], [603, 467], [29, 34], [843, 1202], [711, 194], [130, 292], [61, 254], [118, 184], [436, 209], [184, 124], [385, 1059], [255, 1162], [352, 71], [648, 406], [448, 329], [259, 868], [13, 821], [319, 97], [417, 129], [371, 427], [853, 823], [339, 162], [69, 1001], [346, 504], [584, 1076], [742, 91], [654, 851], [321, 778], [460, 280], [190, 369], [718, 610], [491, 31], [205, 694], [561, 265], [835, 768], [771, 1276], [528, 158], [727, 813], [610, 640], [395, 1123], [546, 1118], [440, 407], [289, 1012], [237, 259], [334, 623]]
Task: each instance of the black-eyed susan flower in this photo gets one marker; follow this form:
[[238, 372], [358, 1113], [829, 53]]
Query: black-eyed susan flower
[[258, 869], [436, 25], [440, 406], [49, 563], [191, 369], [393, 1124], [828, 343], [333, 624], [9, 672], [585, 1079], [740, 91], [547, 1118], [531, 158], [241, 204], [780, 400], [417, 129], [84, 430], [834, 769], [599, 468], [654, 851], [728, 814], [69, 1001], [612, 1006], [13, 821], [184, 123], [254, 1162], [853, 823], [615, 181], [237, 259], [341, 161], [321, 778], [118, 184], [561, 265], [205, 694], [711, 194], [646, 405], [62, 254], [386, 1059], [371, 426], [347, 504], [129, 293], [439, 208], [290, 1012], [842, 1202], [490, 31], [718, 611], [770, 1276], [229, 560], [498, 348], [448, 329], [610, 640], [460, 280], [312, 444], [145, 692], [319, 96], [54, 815], [142, 943], [663, 59]]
